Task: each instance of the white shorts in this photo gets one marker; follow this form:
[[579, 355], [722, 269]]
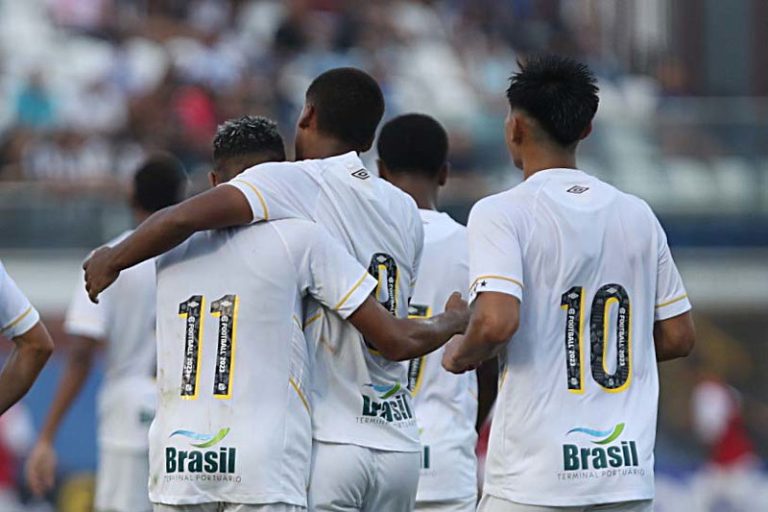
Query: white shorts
[[465, 505], [122, 480], [350, 478], [493, 504], [229, 507]]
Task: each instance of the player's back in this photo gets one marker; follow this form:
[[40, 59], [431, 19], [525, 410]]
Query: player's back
[[233, 418], [577, 404], [233, 422], [445, 404], [355, 390]]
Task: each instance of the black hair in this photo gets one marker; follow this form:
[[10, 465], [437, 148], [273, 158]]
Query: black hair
[[413, 143], [160, 182], [349, 105], [558, 92], [248, 135]]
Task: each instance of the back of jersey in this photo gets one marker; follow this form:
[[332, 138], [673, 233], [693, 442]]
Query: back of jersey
[[445, 404], [232, 372], [576, 415], [359, 396]]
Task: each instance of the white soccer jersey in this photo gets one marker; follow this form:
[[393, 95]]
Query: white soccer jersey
[[360, 397], [445, 404], [124, 319], [575, 419], [17, 316], [233, 423]]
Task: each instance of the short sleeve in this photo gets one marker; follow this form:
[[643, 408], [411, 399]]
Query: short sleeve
[[17, 315], [276, 191], [671, 297], [335, 278], [84, 318], [495, 253]]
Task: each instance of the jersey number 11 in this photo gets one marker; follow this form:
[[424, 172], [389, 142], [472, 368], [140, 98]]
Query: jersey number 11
[[191, 310]]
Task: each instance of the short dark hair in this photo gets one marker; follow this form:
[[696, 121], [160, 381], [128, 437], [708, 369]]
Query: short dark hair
[[160, 182], [414, 143], [558, 92], [248, 135], [349, 105]]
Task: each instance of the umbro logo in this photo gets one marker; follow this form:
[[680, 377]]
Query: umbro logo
[[577, 189], [361, 174]]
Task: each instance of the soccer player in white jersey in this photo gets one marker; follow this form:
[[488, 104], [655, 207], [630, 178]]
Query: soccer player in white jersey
[[123, 324], [413, 152], [233, 428], [32, 345], [575, 287], [365, 458]]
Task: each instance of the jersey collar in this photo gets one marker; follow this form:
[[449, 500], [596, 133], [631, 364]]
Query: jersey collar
[[349, 161]]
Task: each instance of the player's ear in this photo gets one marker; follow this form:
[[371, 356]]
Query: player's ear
[[442, 175], [586, 131], [307, 115], [212, 178], [519, 128]]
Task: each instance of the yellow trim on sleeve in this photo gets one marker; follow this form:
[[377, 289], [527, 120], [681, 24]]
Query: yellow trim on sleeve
[[258, 194], [350, 292], [672, 301], [491, 276], [18, 319], [298, 392]]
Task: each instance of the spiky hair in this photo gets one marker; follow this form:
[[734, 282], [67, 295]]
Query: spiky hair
[[558, 92]]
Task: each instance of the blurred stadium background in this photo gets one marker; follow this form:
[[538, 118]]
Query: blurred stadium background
[[88, 87]]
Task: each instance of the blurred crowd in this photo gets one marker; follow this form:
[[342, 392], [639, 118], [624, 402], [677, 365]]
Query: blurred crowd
[[90, 86]]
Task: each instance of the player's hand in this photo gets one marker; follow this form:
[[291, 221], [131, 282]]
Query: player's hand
[[458, 306], [450, 360], [99, 272], [40, 470]]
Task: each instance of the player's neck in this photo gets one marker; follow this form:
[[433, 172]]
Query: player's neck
[[325, 147], [543, 159], [424, 192]]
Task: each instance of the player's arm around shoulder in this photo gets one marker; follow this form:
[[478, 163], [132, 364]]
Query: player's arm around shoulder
[[219, 207]]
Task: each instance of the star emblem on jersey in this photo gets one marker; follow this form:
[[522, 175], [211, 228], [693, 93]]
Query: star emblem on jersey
[[484, 283], [361, 174]]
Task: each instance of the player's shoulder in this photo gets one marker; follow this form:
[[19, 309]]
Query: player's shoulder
[[297, 228], [440, 226], [297, 166], [633, 204], [508, 202], [402, 203]]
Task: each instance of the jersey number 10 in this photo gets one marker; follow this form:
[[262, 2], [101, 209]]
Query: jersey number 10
[[608, 298], [191, 310]]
